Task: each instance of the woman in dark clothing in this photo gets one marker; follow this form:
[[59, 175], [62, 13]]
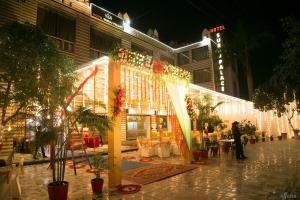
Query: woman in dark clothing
[[237, 139]]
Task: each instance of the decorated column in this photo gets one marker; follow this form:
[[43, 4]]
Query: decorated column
[[114, 136]]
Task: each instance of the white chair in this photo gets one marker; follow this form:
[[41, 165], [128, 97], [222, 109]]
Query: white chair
[[175, 149], [145, 149], [164, 150]]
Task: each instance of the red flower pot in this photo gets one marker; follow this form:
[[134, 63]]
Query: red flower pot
[[58, 191], [252, 141], [97, 185], [200, 154]]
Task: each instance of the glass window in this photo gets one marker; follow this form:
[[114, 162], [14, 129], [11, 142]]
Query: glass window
[[183, 58], [140, 49], [202, 75], [136, 126], [55, 24], [199, 53], [102, 41]]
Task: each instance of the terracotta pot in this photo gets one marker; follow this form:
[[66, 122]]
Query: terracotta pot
[[97, 185], [58, 191], [198, 154], [252, 141]]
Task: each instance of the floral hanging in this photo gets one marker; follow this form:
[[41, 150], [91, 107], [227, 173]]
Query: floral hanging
[[190, 107], [145, 63], [119, 99], [157, 68]]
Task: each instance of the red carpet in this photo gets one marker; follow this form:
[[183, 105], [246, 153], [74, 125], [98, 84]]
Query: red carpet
[[78, 166], [146, 160], [153, 173], [128, 157]]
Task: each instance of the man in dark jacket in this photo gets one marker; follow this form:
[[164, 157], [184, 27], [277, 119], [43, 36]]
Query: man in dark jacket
[[237, 139], [39, 142]]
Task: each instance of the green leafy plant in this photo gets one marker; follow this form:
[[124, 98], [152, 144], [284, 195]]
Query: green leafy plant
[[99, 162], [86, 117], [205, 114], [246, 127]]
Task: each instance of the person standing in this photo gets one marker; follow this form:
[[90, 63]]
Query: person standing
[[39, 143], [237, 139]]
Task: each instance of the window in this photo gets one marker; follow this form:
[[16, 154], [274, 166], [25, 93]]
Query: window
[[136, 126], [167, 59], [199, 53], [183, 58], [140, 49], [55, 24], [101, 42], [202, 75]]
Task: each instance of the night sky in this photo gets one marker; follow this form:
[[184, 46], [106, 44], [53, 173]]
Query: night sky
[[184, 20]]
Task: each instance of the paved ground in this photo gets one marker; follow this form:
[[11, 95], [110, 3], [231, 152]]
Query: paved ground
[[272, 168], [28, 159]]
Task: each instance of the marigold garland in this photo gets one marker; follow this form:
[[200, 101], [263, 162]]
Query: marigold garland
[[145, 63]]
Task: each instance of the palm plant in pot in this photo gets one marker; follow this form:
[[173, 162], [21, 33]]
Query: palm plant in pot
[[98, 164], [205, 116], [95, 122]]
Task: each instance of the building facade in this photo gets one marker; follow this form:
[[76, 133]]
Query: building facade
[[85, 32]]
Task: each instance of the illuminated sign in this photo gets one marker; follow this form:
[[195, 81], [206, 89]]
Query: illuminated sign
[[220, 62], [217, 29], [106, 16]]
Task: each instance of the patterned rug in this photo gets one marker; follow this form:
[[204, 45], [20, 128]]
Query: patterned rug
[[129, 189], [153, 173]]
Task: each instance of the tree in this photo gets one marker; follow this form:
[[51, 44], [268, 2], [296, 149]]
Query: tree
[[246, 41], [283, 88], [32, 72]]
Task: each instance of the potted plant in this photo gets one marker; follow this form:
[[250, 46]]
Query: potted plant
[[296, 132], [98, 165], [246, 127], [204, 117], [263, 138], [214, 146], [95, 122], [58, 188]]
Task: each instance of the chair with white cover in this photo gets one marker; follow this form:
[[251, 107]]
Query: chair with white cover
[[164, 149], [145, 148]]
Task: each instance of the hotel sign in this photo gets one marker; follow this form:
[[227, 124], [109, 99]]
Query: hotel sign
[[220, 63], [217, 29], [106, 16]]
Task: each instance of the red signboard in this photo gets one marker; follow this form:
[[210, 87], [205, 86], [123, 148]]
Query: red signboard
[[217, 29]]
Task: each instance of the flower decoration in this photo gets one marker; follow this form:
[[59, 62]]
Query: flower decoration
[[119, 99], [145, 63], [190, 107], [157, 68]]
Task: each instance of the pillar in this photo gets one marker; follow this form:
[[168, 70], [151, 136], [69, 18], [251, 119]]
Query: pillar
[[114, 136]]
